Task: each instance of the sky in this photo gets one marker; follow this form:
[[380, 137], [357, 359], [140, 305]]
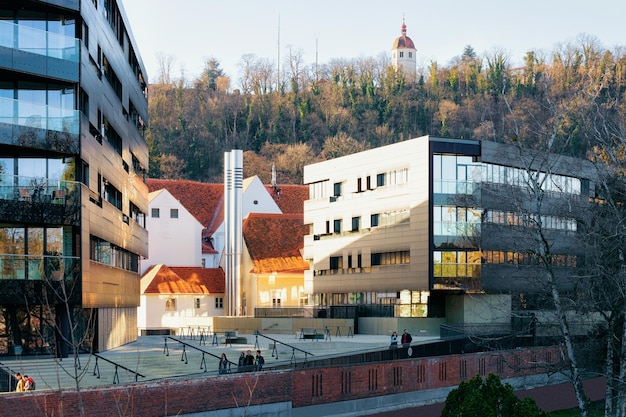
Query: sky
[[193, 31]]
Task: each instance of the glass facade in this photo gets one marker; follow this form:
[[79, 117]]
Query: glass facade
[[457, 216], [456, 255]]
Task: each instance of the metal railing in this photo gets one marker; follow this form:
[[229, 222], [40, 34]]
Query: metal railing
[[7, 378], [37, 41], [286, 312], [293, 360], [184, 358], [39, 190], [116, 377]]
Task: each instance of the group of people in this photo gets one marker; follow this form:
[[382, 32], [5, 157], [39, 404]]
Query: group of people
[[246, 363], [24, 383], [405, 340]]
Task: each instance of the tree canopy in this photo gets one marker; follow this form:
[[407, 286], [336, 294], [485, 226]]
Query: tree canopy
[[366, 100], [488, 398]]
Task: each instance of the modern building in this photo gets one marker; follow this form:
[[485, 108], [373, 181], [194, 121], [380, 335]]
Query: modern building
[[434, 227], [404, 54], [73, 158]]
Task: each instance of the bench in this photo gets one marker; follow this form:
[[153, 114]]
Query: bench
[[310, 333], [231, 337]]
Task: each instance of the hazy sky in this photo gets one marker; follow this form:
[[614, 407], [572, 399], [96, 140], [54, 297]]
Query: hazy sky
[[191, 31]]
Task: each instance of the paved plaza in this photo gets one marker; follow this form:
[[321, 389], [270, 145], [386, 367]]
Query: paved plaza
[[152, 358]]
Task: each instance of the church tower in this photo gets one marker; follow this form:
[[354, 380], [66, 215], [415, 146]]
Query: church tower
[[403, 54]]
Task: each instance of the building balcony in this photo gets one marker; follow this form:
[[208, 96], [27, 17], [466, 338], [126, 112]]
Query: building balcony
[[39, 42], [35, 125], [39, 267], [39, 200]]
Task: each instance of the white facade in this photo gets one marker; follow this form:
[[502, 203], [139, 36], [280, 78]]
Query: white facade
[[182, 314], [363, 207], [174, 235]]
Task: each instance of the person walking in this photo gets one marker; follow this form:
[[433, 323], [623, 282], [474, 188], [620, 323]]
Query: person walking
[[224, 364], [20, 383]]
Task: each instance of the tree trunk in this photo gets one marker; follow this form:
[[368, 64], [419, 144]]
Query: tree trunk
[[569, 346], [608, 395], [621, 394]]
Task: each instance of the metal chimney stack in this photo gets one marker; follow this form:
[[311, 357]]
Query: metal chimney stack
[[233, 219]]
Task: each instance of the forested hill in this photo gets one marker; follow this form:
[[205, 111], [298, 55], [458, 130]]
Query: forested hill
[[571, 98]]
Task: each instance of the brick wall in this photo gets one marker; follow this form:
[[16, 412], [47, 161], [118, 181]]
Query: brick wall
[[303, 387]]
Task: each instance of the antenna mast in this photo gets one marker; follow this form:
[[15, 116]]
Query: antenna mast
[[278, 63]]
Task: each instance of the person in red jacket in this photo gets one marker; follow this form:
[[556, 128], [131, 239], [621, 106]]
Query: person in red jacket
[[406, 339]]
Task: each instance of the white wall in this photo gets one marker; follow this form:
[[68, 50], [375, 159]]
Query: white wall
[[172, 241], [185, 314]]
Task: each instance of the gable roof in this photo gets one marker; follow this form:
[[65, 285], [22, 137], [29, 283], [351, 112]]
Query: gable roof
[[281, 253], [203, 200], [161, 279]]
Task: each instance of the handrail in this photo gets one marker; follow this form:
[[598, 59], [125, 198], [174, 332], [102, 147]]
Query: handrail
[[116, 378], [183, 356], [275, 351]]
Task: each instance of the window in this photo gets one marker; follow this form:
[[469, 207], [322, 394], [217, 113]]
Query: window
[[401, 54], [112, 194], [374, 220], [336, 262], [109, 254], [219, 302], [337, 189], [380, 180], [337, 226], [170, 304], [359, 185], [410, 54], [356, 224], [155, 213], [173, 213], [137, 214], [368, 180], [196, 303], [391, 258], [276, 298]]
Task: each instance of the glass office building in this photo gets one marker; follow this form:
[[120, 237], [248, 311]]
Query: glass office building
[[73, 158]]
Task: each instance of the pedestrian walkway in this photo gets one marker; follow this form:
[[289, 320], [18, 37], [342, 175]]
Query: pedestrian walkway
[[158, 357]]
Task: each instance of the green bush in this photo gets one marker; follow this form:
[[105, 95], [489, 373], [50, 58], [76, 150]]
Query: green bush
[[488, 398]]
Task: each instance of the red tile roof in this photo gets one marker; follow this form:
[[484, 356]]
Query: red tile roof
[[275, 241], [204, 201], [184, 280], [290, 198]]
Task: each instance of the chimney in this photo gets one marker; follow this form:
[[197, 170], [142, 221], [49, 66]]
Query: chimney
[[233, 218]]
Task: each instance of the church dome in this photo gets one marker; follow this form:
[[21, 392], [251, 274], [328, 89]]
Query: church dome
[[403, 41]]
